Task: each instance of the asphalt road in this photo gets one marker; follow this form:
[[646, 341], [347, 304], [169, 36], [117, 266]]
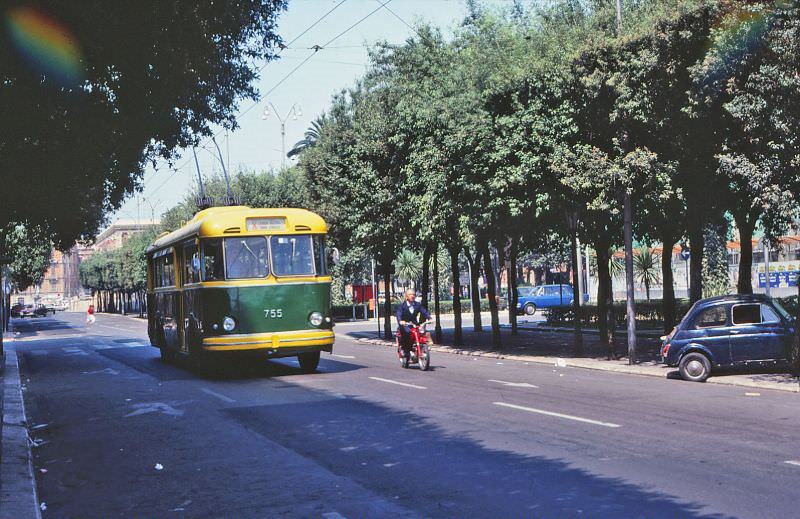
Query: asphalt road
[[120, 434]]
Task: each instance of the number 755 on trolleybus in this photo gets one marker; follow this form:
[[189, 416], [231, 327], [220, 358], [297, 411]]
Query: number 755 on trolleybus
[[236, 279]]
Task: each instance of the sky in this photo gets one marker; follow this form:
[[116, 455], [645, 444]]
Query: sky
[[256, 144]]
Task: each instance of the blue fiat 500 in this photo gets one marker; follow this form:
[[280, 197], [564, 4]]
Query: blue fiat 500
[[729, 331], [530, 299]]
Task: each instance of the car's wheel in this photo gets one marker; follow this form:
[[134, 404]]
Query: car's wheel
[[308, 361], [530, 309], [694, 367]]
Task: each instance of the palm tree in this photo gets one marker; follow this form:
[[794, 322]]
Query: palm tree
[[408, 266], [646, 268], [312, 136]]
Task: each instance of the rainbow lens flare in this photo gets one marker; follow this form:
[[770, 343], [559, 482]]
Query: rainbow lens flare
[[47, 45]]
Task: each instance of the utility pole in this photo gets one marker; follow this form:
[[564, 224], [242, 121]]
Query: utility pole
[[295, 111], [628, 231]]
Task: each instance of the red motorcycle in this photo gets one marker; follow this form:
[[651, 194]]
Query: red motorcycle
[[419, 352]]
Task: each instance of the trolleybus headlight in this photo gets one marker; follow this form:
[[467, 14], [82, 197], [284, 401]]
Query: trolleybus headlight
[[229, 324], [315, 318]]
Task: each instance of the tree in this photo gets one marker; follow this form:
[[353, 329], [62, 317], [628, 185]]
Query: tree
[[408, 267], [645, 268], [312, 135], [30, 252], [144, 80]]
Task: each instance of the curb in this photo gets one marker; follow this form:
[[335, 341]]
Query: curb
[[18, 498], [647, 371]]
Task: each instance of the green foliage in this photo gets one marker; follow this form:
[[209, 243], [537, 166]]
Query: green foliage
[[152, 78], [30, 250], [408, 266], [646, 268], [122, 270]]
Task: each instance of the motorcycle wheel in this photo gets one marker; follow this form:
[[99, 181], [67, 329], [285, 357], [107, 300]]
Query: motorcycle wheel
[[425, 358]]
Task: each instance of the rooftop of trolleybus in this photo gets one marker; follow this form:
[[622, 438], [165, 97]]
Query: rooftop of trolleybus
[[239, 279]]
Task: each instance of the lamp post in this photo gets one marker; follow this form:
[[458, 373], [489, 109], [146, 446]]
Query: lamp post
[[294, 112], [152, 207]]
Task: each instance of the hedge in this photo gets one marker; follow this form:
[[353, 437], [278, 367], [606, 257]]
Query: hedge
[[648, 313]]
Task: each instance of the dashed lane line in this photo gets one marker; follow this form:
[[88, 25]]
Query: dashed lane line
[[217, 395], [343, 356], [557, 415], [796, 463], [388, 381], [514, 384]]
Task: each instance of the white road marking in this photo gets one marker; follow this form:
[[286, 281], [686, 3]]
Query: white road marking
[[154, 407], [74, 351], [217, 395], [107, 371], [752, 394], [333, 515], [343, 356], [398, 383], [793, 462], [558, 415], [514, 384]]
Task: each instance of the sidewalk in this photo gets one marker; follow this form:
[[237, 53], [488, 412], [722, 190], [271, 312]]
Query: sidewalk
[[18, 497], [554, 347]]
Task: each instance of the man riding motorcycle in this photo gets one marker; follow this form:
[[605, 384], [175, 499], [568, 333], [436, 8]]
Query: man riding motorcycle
[[409, 313]]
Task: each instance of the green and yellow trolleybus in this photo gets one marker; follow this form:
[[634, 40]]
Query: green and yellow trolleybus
[[237, 279]]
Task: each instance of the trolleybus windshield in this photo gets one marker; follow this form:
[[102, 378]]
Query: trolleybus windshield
[[292, 255], [246, 257]]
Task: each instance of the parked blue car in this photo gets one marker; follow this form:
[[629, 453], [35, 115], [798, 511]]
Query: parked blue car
[[530, 299], [729, 331]]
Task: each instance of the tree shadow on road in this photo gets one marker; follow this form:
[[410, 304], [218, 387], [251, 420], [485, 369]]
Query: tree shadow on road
[[437, 473]]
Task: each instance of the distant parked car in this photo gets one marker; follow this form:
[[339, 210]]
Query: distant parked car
[[43, 310], [25, 311], [16, 310], [530, 299], [729, 331]]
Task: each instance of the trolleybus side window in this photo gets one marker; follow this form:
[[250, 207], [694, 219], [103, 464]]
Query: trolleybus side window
[[246, 257], [212, 266], [320, 256], [191, 264], [163, 271], [292, 255]]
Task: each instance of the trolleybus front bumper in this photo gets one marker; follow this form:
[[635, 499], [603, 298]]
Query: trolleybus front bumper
[[276, 344]]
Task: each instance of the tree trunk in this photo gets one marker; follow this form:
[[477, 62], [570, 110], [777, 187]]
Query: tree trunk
[[475, 294], [576, 299], [426, 274], [744, 285], [513, 297], [647, 289], [697, 244], [438, 328], [605, 307], [668, 288], [457, 333], [491, 286]]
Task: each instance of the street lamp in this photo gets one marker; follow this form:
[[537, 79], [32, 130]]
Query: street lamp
[[294, 112]]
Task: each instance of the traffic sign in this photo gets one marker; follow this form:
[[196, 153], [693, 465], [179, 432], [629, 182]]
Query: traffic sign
[[685, 252]]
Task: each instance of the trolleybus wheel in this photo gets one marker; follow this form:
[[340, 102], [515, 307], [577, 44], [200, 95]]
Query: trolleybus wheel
[[167, 355], [308, 361]]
